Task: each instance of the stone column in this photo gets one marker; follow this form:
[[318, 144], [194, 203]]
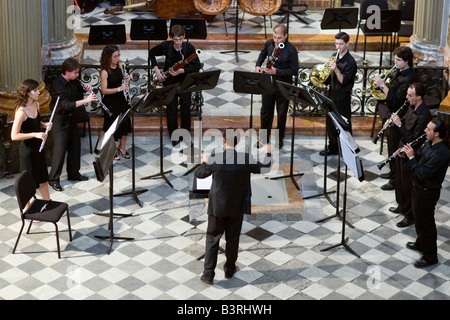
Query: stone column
[[59, 18], [20, 50], [430, 31]]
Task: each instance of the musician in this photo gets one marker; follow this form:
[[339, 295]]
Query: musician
[[341, 83], [229, 200], [65, 130], [395, 97], [27, 128], [113, 86], [283, 69], [429, 166], [411, 126], [176, 50]]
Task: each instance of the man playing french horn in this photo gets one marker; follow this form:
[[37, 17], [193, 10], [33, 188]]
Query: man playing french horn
[[395, 94]]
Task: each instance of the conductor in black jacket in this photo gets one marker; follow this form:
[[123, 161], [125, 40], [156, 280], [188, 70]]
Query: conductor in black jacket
[[229, 199]]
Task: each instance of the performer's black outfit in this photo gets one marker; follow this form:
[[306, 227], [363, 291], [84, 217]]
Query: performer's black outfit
[[229, 199], [429, 167], [395, 98], [413, 126], [287, 66], [341, 95], [172, 56], [64, 129]]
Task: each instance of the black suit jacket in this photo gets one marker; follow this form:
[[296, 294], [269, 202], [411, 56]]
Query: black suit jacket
[[230, 192]]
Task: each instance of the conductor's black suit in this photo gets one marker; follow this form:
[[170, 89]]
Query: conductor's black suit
[[229, 199]]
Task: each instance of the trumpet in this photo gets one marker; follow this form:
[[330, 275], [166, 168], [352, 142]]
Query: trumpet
[[375, 90], [321, 72], [105, 108], [395, 154], [375, 140], [274, 57]]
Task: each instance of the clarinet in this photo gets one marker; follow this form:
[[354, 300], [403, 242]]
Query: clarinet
[[375, 140], [394, 155], [105, 108], [126, 92]]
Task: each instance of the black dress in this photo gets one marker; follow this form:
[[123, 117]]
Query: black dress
[[30, 157], [117, 104]]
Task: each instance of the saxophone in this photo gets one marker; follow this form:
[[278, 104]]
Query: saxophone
[[321, 72]]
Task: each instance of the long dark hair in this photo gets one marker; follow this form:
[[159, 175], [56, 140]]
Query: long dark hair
[[105, 60], [24, 89]]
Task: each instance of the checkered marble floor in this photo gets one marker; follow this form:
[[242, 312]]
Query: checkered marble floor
[[278, 260]]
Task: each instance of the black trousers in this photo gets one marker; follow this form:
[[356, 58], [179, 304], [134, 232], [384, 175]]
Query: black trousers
[[185, 109], [268, 110], [423, 206], [66, 139], [342, 101], [217, 226], [403, 186]]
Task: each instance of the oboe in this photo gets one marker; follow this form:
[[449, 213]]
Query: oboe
[[394, 155], [126, 92], [375, 140], [49, 122], [105, 108]]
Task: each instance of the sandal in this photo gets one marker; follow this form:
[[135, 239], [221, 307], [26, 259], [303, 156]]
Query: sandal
[[116, 157], [125, 155]]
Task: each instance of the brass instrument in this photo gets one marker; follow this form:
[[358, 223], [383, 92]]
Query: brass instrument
[[321, 72], [375, 140], [176, 67], [274, 57], [395, 154], [212, 7], [375, 90]]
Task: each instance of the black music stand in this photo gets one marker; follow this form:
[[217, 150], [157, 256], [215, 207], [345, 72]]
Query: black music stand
[[296, 95], [193, 28], [339, 18], [107, 34], [199, 81], [148, 29], [253, 83], [288, 9], [235, 51], [156, 99], [348, 148], [106, 149]]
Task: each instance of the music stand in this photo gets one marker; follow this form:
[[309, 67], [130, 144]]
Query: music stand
[[193, 28], [148, 29], [107, 34], [106, 149], [296, 95], [339, 18], [235, 51], [253, 83], [199, 81], [290, 6], [157, 98]]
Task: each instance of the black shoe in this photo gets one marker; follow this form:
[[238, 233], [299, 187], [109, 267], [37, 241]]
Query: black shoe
[[229, 273], [395, 209], [330, 152], [385, 175], [412, 246], [388, 186], [280, 144], [206, 280], [79, 178], [405, 223], [56, 186], [422, 263]]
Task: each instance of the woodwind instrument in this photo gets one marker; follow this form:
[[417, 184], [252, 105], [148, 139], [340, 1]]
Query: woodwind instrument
[[274, 57], [375, 140], [49, 122], [105, 108], [176, 67], [126, 92], [395, 154]]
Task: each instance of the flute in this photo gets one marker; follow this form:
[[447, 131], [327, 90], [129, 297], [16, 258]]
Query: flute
[[375, 140], [394, 155], [50, 121], [105, 108]]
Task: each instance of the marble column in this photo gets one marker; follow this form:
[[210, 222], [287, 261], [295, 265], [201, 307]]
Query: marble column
[[430, 31], [59, 20], [20, 50]]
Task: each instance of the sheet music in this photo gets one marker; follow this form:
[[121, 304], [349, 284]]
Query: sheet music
[[109, 133], [205, 183]]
